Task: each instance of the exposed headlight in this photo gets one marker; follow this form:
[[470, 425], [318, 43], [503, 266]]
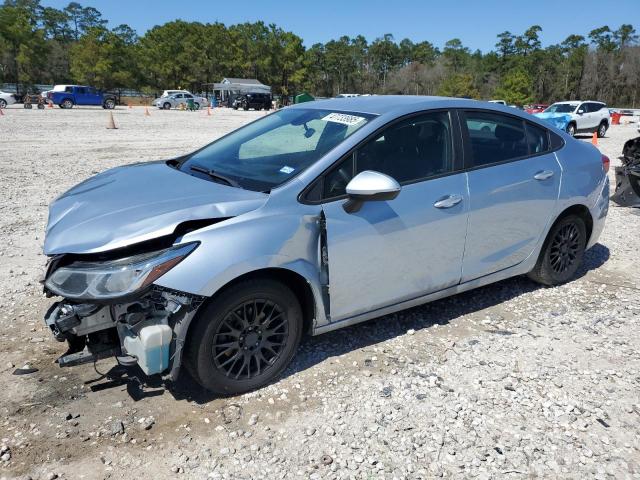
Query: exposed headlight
[[115, 278]]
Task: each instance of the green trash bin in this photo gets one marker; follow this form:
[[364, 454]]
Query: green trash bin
[[303, 97], [191, 105]]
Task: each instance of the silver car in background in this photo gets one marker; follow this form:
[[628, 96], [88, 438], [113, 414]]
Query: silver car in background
[[312, 218], [174, 100]]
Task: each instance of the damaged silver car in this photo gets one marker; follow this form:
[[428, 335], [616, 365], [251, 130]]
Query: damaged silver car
[[315, 217]]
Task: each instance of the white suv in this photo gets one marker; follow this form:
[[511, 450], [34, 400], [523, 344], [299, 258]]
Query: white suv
[[585, 117]]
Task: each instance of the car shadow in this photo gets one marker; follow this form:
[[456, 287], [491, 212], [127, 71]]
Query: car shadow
[[314, 350]]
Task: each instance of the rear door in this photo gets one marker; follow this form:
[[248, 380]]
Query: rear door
[[80, 95], [391, 251], [93, 96], [514, 182]]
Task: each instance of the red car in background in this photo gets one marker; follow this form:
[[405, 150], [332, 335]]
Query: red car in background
[[536, 108]]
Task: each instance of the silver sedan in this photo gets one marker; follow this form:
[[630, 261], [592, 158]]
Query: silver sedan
[[313, 218], [177, 99]]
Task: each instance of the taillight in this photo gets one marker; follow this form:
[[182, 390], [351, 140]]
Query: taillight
[[605, 163]]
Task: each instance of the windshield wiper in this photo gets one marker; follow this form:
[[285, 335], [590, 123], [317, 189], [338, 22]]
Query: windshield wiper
[[214, 175]]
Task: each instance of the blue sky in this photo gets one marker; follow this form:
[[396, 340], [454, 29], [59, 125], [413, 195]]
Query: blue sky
[[475, 22]]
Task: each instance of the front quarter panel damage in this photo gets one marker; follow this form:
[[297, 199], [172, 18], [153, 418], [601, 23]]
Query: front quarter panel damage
[[247, 244]]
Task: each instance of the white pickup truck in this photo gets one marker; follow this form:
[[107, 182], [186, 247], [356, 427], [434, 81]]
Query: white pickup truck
[[584, 116]]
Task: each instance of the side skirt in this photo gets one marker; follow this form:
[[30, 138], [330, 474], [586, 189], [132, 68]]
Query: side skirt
[[514, 271]]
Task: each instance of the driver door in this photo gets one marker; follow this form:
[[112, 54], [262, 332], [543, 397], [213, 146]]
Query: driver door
[[396, 250]]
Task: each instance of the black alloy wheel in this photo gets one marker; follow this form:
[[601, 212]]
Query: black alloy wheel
[[564, 248], [562, 252], [244, 337], [250, 339]]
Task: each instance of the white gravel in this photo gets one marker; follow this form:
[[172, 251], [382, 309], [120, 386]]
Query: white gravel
[[508, 381]]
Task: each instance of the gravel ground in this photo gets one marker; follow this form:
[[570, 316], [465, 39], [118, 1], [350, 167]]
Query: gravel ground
[[507, 381]]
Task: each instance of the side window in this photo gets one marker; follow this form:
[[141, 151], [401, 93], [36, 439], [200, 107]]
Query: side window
[[494, 137], [81, 90], [537, 138], [68, 89], [412, 149]]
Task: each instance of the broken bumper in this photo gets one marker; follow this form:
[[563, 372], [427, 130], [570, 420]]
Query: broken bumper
[[627, 192], [148, 331]]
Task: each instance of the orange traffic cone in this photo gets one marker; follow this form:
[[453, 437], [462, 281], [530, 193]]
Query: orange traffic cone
[[209, 111], [50, 104], [146, 112], [1, 112], [594, 139], [111, 124], [130, 105]]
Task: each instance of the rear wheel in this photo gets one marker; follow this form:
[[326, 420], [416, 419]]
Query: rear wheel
[[602, 129], [245, 337], [109, 104], [562, 252], [571, 129], [3, 103]]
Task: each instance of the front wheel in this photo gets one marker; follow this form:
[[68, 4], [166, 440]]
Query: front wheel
[[67, 104], [3, 103], [602, 130], [245, 337], [571, 129], [562, 252], [166, 106]]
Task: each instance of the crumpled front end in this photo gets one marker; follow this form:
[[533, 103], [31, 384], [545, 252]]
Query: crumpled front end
[[627, 193], [111, 307], [558, 120], [139, 331]]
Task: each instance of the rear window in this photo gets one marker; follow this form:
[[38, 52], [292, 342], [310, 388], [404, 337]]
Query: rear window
[[537, 139]]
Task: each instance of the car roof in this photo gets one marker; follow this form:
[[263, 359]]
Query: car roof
[[578, 101], [383, 104]]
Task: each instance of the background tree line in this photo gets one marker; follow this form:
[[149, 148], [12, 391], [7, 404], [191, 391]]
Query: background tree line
[[45, 45]]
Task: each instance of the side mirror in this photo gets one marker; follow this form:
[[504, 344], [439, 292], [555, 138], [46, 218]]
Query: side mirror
[[580, 111], [370, 186]]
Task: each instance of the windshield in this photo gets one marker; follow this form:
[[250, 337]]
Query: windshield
[[562, 108], [269, 151]]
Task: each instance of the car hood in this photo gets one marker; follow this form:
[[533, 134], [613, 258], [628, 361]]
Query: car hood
[[131, 204]]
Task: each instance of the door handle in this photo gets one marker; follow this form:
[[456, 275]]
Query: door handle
[[543, 175], [448, 201]]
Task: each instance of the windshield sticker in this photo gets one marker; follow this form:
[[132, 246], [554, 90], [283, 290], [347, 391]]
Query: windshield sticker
[[343, 118], [287, 169]]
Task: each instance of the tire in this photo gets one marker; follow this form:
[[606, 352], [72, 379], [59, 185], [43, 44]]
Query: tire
[[571, 129], [565, 242], [226, 362], [67, 103], [3, 103], [166, 106], [602, 129], [246, 108], [235, 107], [109, 104]]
